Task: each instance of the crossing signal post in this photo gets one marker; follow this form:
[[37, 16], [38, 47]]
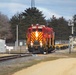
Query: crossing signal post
[[71, 23]]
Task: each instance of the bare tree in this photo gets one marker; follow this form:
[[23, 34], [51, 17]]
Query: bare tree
[[5, 27]]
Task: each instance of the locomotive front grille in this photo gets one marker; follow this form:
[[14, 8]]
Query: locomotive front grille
[[36, 42]]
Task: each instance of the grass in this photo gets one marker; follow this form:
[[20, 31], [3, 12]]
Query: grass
[[72, 55]]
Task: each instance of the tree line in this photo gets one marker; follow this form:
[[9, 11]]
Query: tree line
[[33, 16]]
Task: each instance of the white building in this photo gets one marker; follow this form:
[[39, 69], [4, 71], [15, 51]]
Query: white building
[[2, 46]]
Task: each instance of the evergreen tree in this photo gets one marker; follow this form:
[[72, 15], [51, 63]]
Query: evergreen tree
[[33, 16], [14, 22], [25, 19], [61, 28]]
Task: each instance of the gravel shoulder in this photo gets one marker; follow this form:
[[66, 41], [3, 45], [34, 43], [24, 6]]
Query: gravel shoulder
[[64, 66]]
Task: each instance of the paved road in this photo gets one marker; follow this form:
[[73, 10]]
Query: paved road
[[64, 66]]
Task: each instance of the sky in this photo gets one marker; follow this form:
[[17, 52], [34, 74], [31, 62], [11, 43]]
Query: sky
[[59, 8]]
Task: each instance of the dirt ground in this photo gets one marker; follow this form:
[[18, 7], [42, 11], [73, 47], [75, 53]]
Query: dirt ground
[[64, 66]]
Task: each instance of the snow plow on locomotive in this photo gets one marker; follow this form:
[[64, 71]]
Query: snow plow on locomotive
[[40, 39]]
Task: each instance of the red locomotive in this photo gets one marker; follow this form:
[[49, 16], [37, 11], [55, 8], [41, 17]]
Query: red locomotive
[[40, 38]]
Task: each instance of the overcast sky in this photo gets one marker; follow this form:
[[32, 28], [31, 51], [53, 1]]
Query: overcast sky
[[65, 8]]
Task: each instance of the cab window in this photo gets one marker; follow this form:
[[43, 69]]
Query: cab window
[[40, 30], [34, 30]]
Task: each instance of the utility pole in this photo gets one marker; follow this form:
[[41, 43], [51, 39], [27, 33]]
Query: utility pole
[[17, 36], [32, 3]]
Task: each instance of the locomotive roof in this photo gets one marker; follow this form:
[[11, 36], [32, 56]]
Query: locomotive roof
[[40, 27]]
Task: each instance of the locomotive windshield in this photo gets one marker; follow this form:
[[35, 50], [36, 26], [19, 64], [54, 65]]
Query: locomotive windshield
[[40, 30], [34, 30]]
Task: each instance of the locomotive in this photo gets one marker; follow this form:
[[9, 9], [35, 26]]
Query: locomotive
[[40, 39]]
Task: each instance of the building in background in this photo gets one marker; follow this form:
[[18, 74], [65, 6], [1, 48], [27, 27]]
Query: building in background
[[2, 46]]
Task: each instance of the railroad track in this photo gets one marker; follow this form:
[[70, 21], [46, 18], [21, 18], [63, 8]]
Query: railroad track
[[14, 56]]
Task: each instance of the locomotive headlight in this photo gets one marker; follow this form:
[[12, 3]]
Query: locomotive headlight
[[36, 33], [31, 43], [41, 43]]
